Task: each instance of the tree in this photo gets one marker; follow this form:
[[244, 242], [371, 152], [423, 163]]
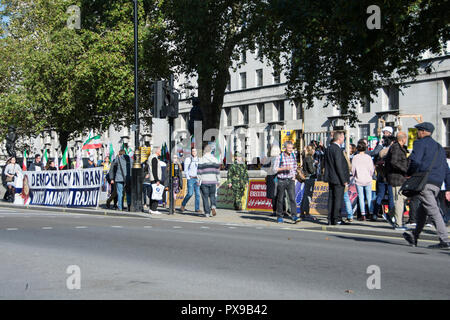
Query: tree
[[72, 80], [206, 36], [330, 50]]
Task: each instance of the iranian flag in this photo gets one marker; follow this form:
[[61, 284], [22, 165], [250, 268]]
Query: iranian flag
[[79, 162], [65, 158], [24, 163], [45, 160], [92, 142], [111, 153], [56, 160]]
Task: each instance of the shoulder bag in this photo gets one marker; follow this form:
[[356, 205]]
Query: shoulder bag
[[416, 183]]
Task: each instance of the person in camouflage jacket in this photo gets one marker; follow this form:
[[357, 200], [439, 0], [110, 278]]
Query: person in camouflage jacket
[[237, 178]]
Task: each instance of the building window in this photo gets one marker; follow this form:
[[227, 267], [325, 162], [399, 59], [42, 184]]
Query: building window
[[244, 57], [259, 78], [447, 91], [297, 110], [228, 116], [279, 107], [447, 131], [243, 77], [261, 115], [391, 97], [276, 77], [365, 105], [364, 131], [244, 114]]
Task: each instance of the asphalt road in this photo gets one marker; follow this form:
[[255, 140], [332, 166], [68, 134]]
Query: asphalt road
[[145, 258]]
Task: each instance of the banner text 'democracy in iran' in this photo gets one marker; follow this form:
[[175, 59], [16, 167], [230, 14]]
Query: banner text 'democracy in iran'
[[71, 188]]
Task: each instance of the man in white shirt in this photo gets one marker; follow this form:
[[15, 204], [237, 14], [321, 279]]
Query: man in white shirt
[[190, 170]]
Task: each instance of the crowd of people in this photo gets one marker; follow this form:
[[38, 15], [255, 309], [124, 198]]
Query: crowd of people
[[378, 175]]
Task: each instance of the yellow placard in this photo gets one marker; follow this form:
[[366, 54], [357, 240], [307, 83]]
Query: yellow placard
[[145, 153], [319, 200], [179, 196], [412, 136], [287, 135]]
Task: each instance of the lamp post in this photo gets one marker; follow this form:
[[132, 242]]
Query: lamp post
[[136, 174]]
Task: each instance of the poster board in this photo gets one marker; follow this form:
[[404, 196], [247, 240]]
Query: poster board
[[225, 196], [287, 135], [412, 136]]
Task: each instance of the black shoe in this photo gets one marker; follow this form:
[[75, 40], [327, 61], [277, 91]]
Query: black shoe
[[108, 206], [441, 245], [330, 223], [341, 222], [411, 238]]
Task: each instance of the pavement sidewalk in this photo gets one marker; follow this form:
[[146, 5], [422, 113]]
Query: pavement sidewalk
[[243, 218]]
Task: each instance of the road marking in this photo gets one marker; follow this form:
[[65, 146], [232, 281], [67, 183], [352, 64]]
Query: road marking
[[147, 227], [80, 227], [203, 227], [12, 229], [177, 227], [259, 228], [116, 226], [231, 227], [47, 228]]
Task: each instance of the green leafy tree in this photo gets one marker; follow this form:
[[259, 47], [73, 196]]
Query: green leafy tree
[[72, 80], [206, 37], [328, 50]]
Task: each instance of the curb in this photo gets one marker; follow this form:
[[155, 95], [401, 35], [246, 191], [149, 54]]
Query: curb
[[95, 211], [324, 228]]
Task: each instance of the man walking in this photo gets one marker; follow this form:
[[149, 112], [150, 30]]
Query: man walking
[[121, 176], [190, 171], [286, 168], [428, 155], [237, 178], [396, 163], [209, 176], [337, 175]]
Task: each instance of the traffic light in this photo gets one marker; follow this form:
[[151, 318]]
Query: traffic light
[[158, 99], [173, 105]]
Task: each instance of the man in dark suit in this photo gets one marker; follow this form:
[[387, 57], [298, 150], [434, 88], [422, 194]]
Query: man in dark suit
[[337, 175]]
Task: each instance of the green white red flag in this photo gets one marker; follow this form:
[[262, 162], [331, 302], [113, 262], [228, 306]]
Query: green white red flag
[[65, 158], [92, 142], [45, 158], [24, 163]]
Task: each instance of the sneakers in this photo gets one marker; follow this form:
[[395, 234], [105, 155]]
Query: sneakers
[[207, 215], [388, 219], [441, 245], [373, 218], [398, 228], [181, 209], [410, 238], [280, 220], [349, 220], [296, 219], [154, 212]]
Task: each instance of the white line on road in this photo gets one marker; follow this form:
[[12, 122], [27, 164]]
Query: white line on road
[[80, 227], [12, 229], [147, 227], [177, 227], [47, 228], [116, 226], [231, 227], [203, 227]]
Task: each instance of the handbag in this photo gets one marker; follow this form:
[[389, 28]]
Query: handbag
[[300, 176], [9, 179], [416, 183]]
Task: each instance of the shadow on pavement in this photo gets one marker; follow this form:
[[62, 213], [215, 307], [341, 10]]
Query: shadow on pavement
[[371, 240]]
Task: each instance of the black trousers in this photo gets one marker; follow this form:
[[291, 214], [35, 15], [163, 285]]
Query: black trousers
[[289, 185], [335, 198]]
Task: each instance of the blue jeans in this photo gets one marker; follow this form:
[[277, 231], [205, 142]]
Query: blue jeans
[[192, 186], [367, 190], [381, 191], [119, 186], [348, 206], [208, 193]]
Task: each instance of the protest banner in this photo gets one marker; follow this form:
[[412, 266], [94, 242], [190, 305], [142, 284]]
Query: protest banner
[[225, 198], [257, 200], [319, 202], [65, 188]]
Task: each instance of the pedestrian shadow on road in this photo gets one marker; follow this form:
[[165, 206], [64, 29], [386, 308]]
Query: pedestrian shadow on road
[[360, 239]]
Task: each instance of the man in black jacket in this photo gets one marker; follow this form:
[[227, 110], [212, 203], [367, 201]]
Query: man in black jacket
[[396, 163], [37, 165], [425, 151], [337, 175]]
